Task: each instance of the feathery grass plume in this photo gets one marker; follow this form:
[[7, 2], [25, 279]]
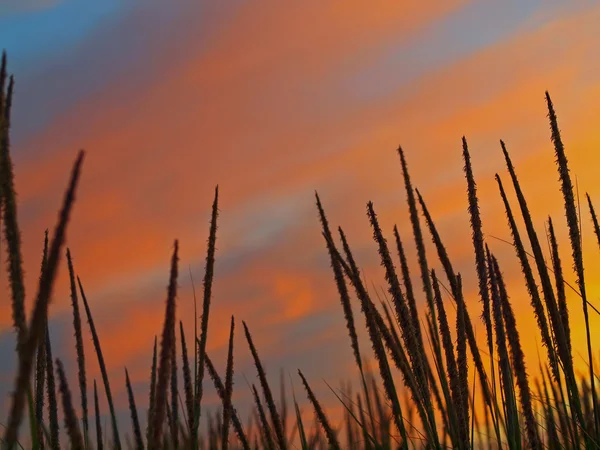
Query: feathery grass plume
[[507, 386], [152, 399], [331, 435], [575, 236], [137, 433], [454, 407], [461, 364], [594, 218], [532, 288], [559, 333], [40, 310], [220, 388], [445, 260], [402, 311], [478, 243], [265, 429], [392, 342], [40, 372], [187, 379], [418, 235], [52, 403], [560, 285], [410, 296], [70, 416], [267, 392], [208, 280], [518, 362], [98, 348], [99, 444], [79, 345], [174, 392], [378, 349], [344, 298], [227, 405], [12, 235], [166, 353]]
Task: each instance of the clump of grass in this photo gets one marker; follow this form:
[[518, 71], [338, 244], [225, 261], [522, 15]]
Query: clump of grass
[[39, 314], [575, 237], [513, 416]]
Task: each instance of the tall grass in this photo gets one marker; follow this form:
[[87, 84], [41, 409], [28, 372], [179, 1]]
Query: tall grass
[[420, 395]]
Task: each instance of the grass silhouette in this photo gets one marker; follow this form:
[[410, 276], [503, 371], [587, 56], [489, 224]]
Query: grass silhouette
[[431, 354]]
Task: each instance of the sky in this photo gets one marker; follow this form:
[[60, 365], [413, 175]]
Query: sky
[[271, 101]]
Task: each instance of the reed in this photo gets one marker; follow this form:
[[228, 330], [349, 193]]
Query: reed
[[575, 237], [220, 388], [331, 435], [137, 432], [275, 418], [40, 370], [78, 345], [227, 398], [103, 371], [480, 258], [99, 442], [52, 402], [207, 284], [518, 362], [166, 352], [187, 378], [152, 390], [530, 282], [70, 417], [40, 310], [12, 235]]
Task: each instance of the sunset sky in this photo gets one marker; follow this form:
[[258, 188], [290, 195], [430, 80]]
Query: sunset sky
[[272, 100]]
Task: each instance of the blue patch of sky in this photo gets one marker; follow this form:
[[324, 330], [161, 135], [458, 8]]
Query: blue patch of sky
[[32, 36], [66, 54], [447, 40]]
